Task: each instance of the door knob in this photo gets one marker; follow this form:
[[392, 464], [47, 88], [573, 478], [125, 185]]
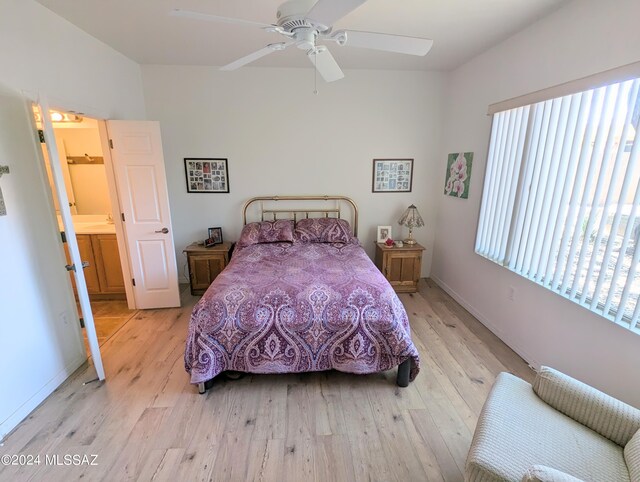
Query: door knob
[[163, 231]]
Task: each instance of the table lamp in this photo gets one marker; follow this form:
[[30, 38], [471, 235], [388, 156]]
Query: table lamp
[[411, 219]]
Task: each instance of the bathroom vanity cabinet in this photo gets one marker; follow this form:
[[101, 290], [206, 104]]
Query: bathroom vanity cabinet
[[104, 273]]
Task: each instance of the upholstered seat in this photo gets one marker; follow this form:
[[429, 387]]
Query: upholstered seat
[[559, 429]]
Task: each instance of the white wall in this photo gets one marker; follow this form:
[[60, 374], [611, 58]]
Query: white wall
[[585, 37], [42, 53], [39, 342], [280, 138]]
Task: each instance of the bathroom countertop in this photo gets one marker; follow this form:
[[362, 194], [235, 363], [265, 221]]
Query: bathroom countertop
[[94, 228], [90, 224]]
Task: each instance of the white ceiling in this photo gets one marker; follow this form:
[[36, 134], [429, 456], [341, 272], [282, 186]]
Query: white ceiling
[[143, 31]]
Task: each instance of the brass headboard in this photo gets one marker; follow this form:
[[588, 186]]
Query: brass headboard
[[295, 211]]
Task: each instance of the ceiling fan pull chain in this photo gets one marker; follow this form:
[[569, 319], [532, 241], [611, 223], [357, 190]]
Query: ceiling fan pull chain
[[315, 72]]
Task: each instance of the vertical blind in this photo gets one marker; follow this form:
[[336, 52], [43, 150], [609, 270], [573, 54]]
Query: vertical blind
[[562, 195]]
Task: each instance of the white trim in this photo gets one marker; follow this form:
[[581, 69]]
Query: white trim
[[618, 74], [116, 210], [22, 412], [530, 360]]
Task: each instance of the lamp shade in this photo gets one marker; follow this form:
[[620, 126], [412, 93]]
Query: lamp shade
[[411, 218]]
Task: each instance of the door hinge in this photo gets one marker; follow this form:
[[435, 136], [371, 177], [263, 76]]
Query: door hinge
[[81, 322], [72, 267], [41, 136], [122, 216], [111, 143], [133, 281], [63, 236]]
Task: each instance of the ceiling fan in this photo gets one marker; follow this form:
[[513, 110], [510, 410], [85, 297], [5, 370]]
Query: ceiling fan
[[306, 22]]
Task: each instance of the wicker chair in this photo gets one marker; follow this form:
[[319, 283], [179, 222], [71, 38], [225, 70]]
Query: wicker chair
[[558, 430]]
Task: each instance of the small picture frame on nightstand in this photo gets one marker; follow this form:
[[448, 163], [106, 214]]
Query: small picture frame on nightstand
[[215, 237], [384, 233]]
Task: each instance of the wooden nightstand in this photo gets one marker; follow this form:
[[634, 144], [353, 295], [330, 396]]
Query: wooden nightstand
[[205, 264], [401, 266]]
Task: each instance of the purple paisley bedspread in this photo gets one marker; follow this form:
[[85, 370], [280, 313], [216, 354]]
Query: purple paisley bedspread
[[298, 307]]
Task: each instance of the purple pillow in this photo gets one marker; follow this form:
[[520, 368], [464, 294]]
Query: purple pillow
[[266, 232], [324, 230]]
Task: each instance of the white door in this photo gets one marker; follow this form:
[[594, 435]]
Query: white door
[[70, 233], [138, 163], [66, 174]]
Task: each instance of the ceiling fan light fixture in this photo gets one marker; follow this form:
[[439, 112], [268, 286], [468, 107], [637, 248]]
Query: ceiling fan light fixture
[[305, 38]]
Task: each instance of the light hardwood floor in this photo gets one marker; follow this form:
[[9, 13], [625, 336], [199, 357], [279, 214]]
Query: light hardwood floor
[[109, 317], [148, 423]]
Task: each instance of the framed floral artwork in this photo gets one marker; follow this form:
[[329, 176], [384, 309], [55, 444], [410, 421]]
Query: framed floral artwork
[[206, 175], [458, 174]]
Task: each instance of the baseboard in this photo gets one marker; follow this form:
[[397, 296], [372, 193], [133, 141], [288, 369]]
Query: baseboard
[[30, 405], [482, 319]]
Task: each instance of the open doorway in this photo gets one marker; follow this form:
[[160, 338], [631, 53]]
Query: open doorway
[[82, 159]]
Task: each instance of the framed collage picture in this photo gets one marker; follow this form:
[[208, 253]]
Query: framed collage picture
[[206, 175], [392, 175]]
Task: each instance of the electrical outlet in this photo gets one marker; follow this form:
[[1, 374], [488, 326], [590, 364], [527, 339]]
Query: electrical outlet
[[512, 293]]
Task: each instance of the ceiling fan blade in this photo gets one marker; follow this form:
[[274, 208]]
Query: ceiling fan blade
[[390, 43], [247, 59], [328, 12], [326, 65], [178, 12]]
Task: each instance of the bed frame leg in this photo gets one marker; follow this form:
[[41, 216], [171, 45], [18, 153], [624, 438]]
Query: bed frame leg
[[204, 386], [404, 370]]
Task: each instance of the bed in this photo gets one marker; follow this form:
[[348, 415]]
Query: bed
[[299, 295]]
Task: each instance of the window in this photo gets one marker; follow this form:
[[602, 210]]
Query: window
[[562, 194]]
